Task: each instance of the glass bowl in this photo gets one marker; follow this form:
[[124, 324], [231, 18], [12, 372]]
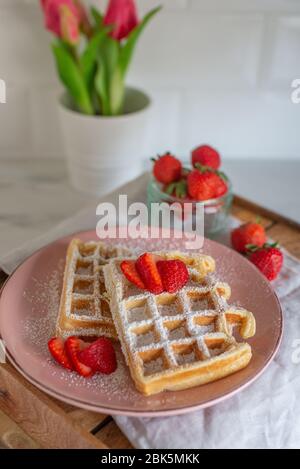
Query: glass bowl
[[216, 211]]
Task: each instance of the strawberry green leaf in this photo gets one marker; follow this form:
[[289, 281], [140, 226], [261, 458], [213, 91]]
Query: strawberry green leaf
[[170, 188], [258, 220], [271, 245], [222, 175], [252, 247], [202, 168], [179, 188]]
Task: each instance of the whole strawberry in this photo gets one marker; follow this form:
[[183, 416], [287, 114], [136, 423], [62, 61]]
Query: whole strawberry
[[207, 156], [249, 233], [205, 184], [167, 169], [268, 260]]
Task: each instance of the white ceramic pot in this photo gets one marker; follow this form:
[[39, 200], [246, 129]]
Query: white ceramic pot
[[104, 152]]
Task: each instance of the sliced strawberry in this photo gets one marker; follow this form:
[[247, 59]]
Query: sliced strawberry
[[129, 270], [99, 356], [147, 269], [58, 352], [174, 274], [73, 346]]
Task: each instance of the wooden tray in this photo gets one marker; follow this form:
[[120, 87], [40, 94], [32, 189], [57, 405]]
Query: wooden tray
[[31, 419]]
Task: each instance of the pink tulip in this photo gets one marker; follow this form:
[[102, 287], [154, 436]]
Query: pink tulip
[[69, 26], [84, 20], [122, 15], [54, 9]]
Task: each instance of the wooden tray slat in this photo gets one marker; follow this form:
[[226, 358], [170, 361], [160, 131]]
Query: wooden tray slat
[[112, 436], [87, 419], [246, 215], [12, 436], [287, 236], [265, 212], [39, 416]]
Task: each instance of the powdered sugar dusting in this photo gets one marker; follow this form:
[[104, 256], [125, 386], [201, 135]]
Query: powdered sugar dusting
[[40, 326], [138, 313], [117, 386], [153, 366], [178, 333], [185, 358]]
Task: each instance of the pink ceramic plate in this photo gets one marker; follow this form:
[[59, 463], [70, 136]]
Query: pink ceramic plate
[[28, 309]]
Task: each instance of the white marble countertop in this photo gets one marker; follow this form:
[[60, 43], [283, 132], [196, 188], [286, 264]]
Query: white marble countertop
[[35, 194]]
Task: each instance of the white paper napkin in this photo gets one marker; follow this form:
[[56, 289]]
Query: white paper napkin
[[265, 415]]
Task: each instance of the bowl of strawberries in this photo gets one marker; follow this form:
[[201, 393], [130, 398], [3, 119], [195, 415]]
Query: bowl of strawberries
[[200, 182]]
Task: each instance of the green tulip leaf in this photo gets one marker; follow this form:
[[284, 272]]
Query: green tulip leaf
[[97, 16], [109, 82], [101, 89], [71, 76], [88, 60], [116, 92], [128, 48]]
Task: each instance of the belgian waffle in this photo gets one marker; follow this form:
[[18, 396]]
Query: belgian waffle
[[84, 308], [176, 341]]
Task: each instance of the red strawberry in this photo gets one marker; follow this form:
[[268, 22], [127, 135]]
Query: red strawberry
[[129, 270], [99, 356], [205, 184], [268, 260], [174, 274], [207, 156], [74, 346], [147, 269], [58, 352], [167, 168], [249, 233]]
